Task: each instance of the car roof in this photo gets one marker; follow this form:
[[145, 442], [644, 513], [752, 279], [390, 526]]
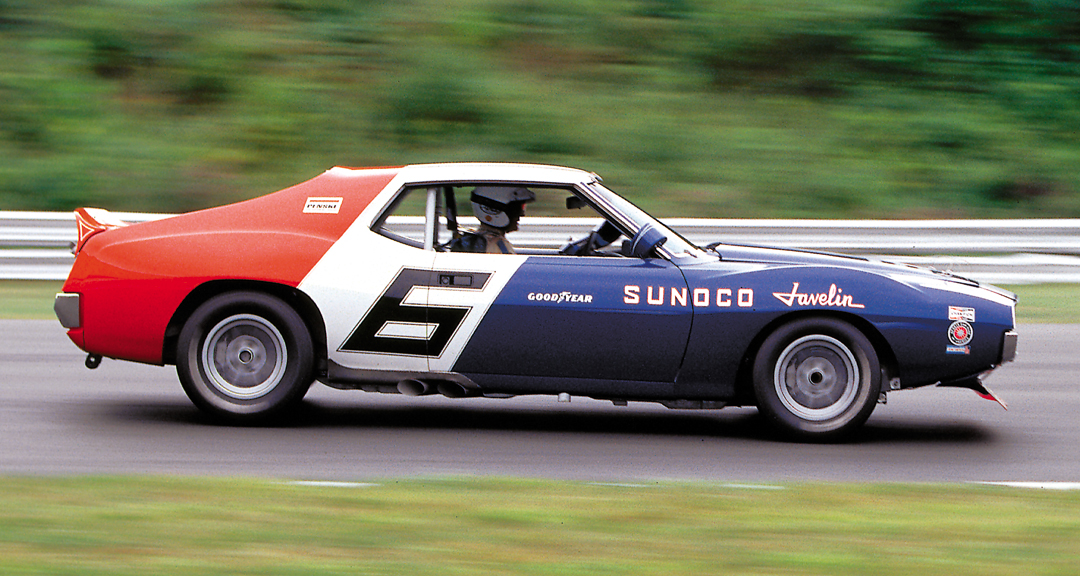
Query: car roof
[[486, 172]]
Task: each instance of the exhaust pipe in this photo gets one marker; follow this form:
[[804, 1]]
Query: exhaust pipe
[[415, 388], [454, 390]]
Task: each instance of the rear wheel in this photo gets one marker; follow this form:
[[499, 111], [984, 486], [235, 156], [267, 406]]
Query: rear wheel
[[245, 356], [817, 378]]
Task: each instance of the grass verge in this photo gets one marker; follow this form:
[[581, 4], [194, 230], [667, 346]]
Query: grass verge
[[1039, 303], [28, 299], [1048, 303], [500, 526]]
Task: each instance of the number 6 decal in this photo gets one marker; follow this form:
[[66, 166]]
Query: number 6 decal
[[394, 325]]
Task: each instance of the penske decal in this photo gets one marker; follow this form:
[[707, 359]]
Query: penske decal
[[322, 205]]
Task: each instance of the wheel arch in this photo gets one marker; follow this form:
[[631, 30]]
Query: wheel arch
[[744, 381], [298, 300]]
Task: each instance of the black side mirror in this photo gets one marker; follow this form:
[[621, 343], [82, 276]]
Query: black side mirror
[[646, 241], [574, 203]]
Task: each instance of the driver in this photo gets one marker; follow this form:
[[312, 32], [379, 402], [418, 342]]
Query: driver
[[498, 208]]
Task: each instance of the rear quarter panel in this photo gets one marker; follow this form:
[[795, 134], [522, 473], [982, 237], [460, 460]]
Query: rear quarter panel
[[132, 279]]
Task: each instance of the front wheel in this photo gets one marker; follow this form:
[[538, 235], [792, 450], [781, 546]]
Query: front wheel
[[817, 378], [245, 356]]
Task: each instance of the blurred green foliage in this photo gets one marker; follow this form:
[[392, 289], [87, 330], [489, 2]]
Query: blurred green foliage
[[740, 108]]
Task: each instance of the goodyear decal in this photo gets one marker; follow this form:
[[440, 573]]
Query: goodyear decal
[[559, 297]]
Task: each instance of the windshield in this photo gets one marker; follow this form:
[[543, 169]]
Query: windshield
[[676, 245]]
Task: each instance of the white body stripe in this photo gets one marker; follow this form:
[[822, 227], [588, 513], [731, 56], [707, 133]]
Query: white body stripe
[[407, 330], [361, 265], [501, 266], [347, 282]]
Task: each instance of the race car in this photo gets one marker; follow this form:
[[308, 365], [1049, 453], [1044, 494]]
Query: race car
[[417, 280]]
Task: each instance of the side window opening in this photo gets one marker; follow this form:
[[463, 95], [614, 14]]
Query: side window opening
[[505, 217], [447, 218], [405, 220]]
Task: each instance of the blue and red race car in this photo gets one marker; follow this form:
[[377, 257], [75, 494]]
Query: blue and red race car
[[413, 280]]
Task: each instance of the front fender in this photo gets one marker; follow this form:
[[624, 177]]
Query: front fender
[[909, 316]]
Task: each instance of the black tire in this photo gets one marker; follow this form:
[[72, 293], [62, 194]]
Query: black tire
[[245, 356], [817, 378]]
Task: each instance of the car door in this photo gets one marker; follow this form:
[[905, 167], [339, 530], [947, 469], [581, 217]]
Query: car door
[[388, 311], [591, 325], [363, 286]]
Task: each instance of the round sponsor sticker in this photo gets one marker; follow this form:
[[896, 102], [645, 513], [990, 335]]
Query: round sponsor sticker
[[960, 333]]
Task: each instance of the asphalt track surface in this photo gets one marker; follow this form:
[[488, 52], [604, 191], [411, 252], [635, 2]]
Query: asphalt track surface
[[57, 417]]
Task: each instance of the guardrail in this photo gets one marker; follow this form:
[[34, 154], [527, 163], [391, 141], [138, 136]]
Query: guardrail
[[36, 245]]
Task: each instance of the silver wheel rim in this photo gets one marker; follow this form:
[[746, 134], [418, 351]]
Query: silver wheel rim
[[816, 378], [244, 356]]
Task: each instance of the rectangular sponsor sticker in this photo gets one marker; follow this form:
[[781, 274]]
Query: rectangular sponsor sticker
[[958, 313], [322, 205], [958, 350]]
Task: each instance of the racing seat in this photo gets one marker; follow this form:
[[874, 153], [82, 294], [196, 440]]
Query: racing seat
[[469, 242]]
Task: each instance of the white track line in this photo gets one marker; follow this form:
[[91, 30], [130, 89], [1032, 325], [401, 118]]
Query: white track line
[[329, 484], [1036, 485]]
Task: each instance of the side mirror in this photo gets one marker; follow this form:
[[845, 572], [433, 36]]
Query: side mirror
[[646, 241], [574, 203]]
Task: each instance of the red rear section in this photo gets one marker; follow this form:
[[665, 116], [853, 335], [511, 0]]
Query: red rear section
[[132, 279]]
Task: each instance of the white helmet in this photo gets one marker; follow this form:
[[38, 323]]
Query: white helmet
[[499, 206]]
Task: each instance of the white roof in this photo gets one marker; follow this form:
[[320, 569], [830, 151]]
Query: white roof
[[493, 172]]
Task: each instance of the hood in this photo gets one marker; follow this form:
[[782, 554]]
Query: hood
[[768, 255], [792, 257]]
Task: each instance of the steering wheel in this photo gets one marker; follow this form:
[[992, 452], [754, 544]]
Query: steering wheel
[[601, 236], [584, 247]]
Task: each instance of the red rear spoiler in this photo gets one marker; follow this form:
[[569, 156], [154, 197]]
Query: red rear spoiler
[[91, 221]]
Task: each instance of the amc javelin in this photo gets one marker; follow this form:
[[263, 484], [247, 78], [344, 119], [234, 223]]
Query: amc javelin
[[414, 280]]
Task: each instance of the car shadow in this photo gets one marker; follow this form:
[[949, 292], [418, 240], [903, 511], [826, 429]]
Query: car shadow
[[730, 423], [925, 432], [733, 423], [314, 415]]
